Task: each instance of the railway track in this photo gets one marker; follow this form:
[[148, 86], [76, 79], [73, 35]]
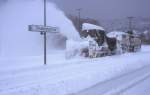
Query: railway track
[[118, 85]]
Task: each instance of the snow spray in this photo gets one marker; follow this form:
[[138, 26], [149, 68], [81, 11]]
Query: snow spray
[[16, 15]]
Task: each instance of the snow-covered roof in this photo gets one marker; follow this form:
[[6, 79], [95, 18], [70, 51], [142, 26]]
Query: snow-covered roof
[[116, 33], [146, 32], [88, 26]]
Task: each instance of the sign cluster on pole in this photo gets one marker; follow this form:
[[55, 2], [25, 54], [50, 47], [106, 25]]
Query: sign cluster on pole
[[44, 29]]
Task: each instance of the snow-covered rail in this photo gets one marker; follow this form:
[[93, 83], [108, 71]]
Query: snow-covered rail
[[118, 85]]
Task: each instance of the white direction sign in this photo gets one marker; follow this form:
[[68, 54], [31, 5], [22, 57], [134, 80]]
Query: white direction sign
[[42, 28]]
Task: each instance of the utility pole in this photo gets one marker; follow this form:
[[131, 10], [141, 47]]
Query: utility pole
[[130, 19], [45, 38], [79, 19]]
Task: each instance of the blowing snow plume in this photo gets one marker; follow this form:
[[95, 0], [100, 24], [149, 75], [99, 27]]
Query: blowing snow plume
[[16, 15]]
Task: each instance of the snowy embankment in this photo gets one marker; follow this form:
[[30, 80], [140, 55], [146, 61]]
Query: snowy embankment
[[28, 76]]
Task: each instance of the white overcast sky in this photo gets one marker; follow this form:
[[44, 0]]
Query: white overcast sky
[[106, 9]]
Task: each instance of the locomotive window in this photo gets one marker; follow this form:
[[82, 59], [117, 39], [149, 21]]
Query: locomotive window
[[92, 33], [85, 33]]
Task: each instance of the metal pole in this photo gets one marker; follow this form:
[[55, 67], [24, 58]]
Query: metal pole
[[130, 23], [79, 19], [45, 38]]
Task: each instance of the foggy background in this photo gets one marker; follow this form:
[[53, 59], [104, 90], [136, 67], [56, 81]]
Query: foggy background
[[106, 9], [111, 14]]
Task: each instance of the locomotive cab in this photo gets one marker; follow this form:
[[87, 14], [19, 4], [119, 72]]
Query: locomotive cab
[[97, 46], [97, 33]]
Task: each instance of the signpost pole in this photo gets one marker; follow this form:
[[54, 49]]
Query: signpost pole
[[45, 38], [44, 29]]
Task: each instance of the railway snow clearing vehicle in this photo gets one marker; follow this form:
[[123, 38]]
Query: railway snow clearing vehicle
[[97, 43]]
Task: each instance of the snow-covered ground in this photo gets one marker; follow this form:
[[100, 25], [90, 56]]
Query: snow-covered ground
[[143, 88], [121, 84], [28, 75]]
